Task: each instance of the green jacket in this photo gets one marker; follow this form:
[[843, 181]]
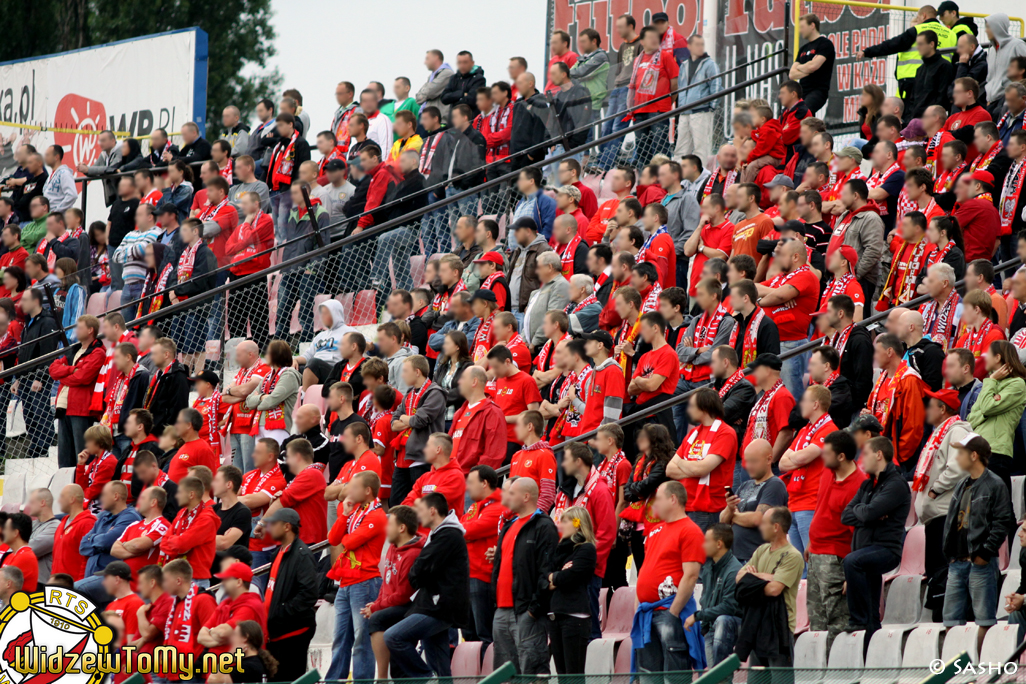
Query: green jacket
[[996, 413], [719, 580], [31, 233]]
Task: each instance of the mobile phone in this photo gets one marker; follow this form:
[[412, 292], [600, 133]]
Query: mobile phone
[[729, 490]]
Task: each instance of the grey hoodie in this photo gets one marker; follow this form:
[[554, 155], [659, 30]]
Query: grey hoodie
[[395, 368], [451, 520], [284, 394], [428, 418], [325, 345], [430, 94], [999, 56]]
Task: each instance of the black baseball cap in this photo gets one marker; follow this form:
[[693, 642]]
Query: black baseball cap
[[335, 165], [771, 361], [117, 569], [206, 376], [600, 336], [867, 422], [167, 208], [284, 515], [794, 226], [484, 295], [660, 16]]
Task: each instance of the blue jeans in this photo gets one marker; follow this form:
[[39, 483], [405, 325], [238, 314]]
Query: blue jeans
[[132, 290], [1018, 618], [798, 535], [793, 371], [352, 640], [967, 582], [215, 324], [720, 639], [609, 150], [434, 229], [704, 519], [242, 451], [281, 205], [863, 571], [262, 558], [667, 651], [402, 639], [302, 287], [482, 610], [38, 413], [651, 140], [398, 245], [466, 206]]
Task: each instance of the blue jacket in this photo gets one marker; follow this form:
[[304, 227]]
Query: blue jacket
[[438, 337], [641, 631], [970, 399], [181, 197], [96, 545], [705, 69], [543, 213], [74, 306]]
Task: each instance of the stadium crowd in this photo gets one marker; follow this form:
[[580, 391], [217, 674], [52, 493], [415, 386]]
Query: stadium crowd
[[701, 273]]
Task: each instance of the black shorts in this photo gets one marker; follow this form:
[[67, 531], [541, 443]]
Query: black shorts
[[320, 368], [386, 617]]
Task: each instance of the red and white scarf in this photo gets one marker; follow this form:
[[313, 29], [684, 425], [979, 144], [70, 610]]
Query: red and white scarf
[[209, 211], [566, 257], [564, 502], [283, 161], [336, 153], [831, 379], [112, 416], [90, 471], [51, 257], [877, 179], [750, 348], [978, 337], [359, 514], [275, 417], [645, 77], [187, 262], [839, 340], [705, 332], [728, 179], [731, 382], [760, 412], [835, 287], [811, 432], [931, 150], [226, 172], [984, 160], [608, 470], [547, 349], [603, 277], [922, 474], [651, 302], [498, 120], [946, 179], [410, 402], [490, 280], [178, 631], [1010, 195], [880, 408], [483, 338], [940, 321], [427, 153], [587, 301]]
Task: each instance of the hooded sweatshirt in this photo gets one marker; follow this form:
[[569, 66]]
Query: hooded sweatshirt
[[395, 587], [325, 345], [999, 55]]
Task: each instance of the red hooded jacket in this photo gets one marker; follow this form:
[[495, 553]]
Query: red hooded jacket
[[248, 606], [769, 141], [197, 544], [396, 589], [481, 530], [79, 380], [384, 178]]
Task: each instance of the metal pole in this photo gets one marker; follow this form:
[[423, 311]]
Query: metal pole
[[787, 32], [85, 197]]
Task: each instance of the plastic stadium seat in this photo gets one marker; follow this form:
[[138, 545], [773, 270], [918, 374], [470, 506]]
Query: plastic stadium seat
[[14, 493], [802, 608], [97, 304], [846, 654], [904, 600], [600, 658], [294, 326], [1017, 492], [603, 600], [10, 508], [313, 396], [697, 591], [63, 477], [621, 613], [318, 300], [1013, 558], [810, 651], [922, 646], [623, 658], [885, 648], [999, 643], [346, 300], [1003, 556], [325, 630], [488, 664], [1010, 586], [466, 659], [958, 639], [913, 554], [364, 311], [417, 269], [912, 518], [114, 300]]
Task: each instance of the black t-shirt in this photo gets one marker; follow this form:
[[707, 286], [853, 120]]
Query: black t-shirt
[[817, 235], [337, 455], [122, 220], [962, 529], [819, 79], [251, 669], [238, 516]]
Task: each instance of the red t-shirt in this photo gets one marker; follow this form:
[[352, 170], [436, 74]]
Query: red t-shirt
[[569, 58], [25, 560], [513, 394], [155, 530], [664, 362], [157, 617], [668, 545], [521, 355], [271, 483], [128, 608], [827, 535], [194, 453], [381, 433], [537, 464], [780, 407], [199, 200], [719, 237], [706, 493], [504, 587], [662, 254], [368, 461], [305, 494], [648, 83], [793, 317], [66, 540], [448, 481], [803, 484]]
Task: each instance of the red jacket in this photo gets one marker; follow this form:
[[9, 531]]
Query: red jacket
[[305, 494], [588, 203], [609, 320], [597, 225], [67, 559], [384, 178], [448, 481], [102, 473], [227, 219], [247, 240], [969, 117], [981, 225], [769, 141], [15, 258], [481, 530], [791, 122], [197, 543], [361, 551], [396, 589], [478, 445], [649, 193], [248, 606], [79, 379]]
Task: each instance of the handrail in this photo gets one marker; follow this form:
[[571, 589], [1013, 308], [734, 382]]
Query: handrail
[[394, 203], [266, 568], [811, 344], [374, 231]]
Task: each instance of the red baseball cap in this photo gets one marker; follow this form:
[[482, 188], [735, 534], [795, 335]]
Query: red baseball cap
[[238, 571], [490, 258], [947, 396], [983, 176], [850, 255]]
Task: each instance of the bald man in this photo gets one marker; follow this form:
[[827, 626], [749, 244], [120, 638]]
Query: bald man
[[306, 425], [76, 523], [753, 498], [44, 527], [725, 174], [891, 324], [522, 548], [528, 129], [923, 355], [251, 374]]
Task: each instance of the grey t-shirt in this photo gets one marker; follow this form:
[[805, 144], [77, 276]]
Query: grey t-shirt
[[257, 186], [772, 492]]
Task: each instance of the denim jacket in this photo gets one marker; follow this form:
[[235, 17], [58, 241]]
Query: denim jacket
[[704, 69], [181, 197]]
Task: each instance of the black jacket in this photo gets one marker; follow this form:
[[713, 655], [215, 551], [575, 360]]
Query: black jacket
[[534, 546], [572, 109], [462, 89], [355, 381], [639, 490], [572, 566], [927, 359], [196, 151], [767, 337], [137, 387], [931, 86], [991, 518], [857, 364], [441, 575], [321, 450], [408, 196], [878, 511], [841, 406], [203, 277], [757, 634], [294, 596], [153, 159], [302, 154], [470, 154], [529, 128], [36, 339], [737, 405], [975, 68], [168, 396], [33, 188]]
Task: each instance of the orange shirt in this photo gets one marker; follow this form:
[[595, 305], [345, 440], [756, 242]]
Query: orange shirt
[[747, 234]]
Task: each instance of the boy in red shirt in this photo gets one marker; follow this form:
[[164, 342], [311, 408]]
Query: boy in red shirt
[[193, 534], [117, 581], [384, 398], [445, 476], [535, 460], [208, 403], [96, 465], [192, 608], [506, 335], [240, 604], [769, 150], [515, 392], [194, 451], [305, 494]]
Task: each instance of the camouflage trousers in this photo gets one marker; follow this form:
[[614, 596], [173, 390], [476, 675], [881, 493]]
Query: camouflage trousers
[[828, 607]]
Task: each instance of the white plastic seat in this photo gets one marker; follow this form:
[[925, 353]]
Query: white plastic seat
[[600, 658], [1017, 491], [810, 651], [958, 639], [325, 631], [14, 488], [62, 478], [885, 647], [922, 647], [999, 643], [846, 656], [1009, 586], [801, 610], [621, 613], [904, 600]]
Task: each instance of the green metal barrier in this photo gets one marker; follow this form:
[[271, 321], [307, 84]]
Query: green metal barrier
[[950, 670]]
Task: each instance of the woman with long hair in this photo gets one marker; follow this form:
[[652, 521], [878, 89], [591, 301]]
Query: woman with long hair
[[158, 277], [449, 366], [99, 258], [275, 397], [655, 449], [257, 663], [870, 102], [573, 565], [944, 232], [131, 150], [15, 281], [998, 411], [179, 188], [70, 297]]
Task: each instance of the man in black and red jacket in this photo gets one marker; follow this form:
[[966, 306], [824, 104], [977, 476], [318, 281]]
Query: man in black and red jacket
[[793, 110], [384, 179]]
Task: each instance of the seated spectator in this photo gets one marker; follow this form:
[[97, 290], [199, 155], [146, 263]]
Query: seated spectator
[[96, 544], [67, 538], [1002, 397], [17, 531], [720, 615], [139, 545], [96, 464], [44, 527], [756, 495]]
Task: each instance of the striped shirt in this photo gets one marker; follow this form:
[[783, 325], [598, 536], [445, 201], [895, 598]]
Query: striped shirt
[[131, 253]]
